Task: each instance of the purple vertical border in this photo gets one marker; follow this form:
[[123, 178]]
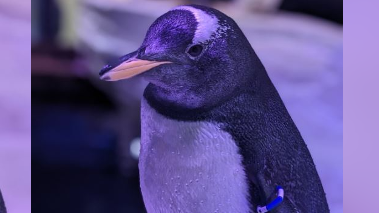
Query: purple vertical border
[[361, 106]]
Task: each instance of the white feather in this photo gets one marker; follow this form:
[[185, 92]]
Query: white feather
[[189, 167], [207, 24]]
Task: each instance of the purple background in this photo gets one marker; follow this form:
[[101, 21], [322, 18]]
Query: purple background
[[15, 100], [361, 106]]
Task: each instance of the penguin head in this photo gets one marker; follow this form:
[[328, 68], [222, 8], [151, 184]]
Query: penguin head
[[192, 55]]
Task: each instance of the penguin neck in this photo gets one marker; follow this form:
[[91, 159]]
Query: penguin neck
[[168, 105], [179, 99], [181, 104]]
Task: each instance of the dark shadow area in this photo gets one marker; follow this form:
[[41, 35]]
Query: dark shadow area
[[74, 154], [331, 10]]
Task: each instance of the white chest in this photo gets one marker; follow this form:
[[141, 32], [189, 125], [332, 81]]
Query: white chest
[[189, 167]]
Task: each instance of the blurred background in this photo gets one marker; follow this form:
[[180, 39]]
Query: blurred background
[[86, 131]]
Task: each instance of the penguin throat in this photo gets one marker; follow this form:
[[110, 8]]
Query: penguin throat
[[184, 106], [183, 100]]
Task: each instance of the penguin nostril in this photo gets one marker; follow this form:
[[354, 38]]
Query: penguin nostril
[[195, 50]]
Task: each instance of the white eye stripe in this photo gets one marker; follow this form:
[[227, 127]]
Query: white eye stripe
[[207, 24]]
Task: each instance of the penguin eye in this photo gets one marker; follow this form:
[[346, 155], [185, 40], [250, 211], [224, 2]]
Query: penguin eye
[[195, 50]]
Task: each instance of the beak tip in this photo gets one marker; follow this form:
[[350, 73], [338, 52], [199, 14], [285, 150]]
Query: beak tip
[[105, 78], [105, 69]]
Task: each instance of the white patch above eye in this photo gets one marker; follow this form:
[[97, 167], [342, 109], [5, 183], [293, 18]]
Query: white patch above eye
[[207, 24]]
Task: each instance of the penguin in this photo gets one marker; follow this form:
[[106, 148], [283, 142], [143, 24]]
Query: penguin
[[2, 205], [216, 136]]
